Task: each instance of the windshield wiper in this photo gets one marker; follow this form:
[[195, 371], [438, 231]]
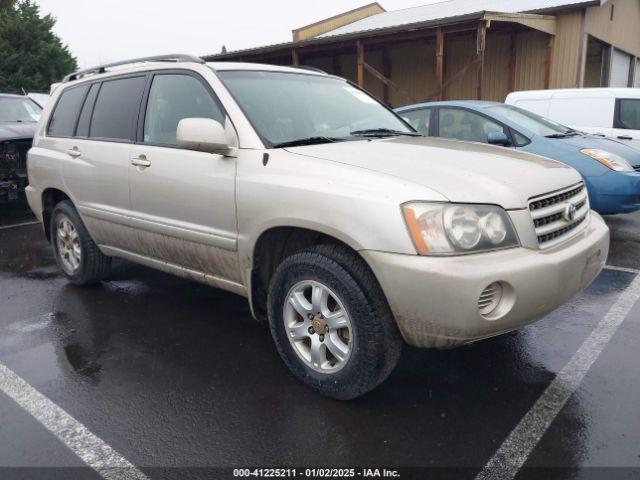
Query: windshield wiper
[[569, 133], [307, 141], [383, 132]]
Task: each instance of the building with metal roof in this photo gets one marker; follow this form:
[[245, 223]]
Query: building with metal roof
[[465, 49]]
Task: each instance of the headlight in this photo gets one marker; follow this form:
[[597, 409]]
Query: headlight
[[444, 228], [608, 159]]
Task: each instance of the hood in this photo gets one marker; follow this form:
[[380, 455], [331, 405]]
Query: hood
[[627, 152], [17, 130], [462, 172]]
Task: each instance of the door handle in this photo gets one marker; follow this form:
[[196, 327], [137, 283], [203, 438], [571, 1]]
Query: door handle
[[140, 161], [74, 152]]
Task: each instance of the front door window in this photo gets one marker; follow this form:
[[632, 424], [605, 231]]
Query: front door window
[[464, 125]]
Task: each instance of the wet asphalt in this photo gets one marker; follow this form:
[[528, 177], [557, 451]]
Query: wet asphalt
[[179, 379]]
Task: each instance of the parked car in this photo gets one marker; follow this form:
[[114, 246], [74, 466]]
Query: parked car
[[18, 119], [342, 226], [610, 169], [612, 112]]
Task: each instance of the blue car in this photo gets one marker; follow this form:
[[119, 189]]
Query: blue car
[[611, 170]]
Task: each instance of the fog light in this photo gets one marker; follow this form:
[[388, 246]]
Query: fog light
[[490, 299]]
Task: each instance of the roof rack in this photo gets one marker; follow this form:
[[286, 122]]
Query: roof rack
[[157, 58]]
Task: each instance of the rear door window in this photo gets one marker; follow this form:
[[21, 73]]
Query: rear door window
[[64, 117], [464, 125], [116, 111], [173, 97]]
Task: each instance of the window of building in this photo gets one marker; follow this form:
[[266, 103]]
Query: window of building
[[596, 71], [620, 69]]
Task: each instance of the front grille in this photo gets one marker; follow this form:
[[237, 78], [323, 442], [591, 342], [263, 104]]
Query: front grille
[[13, 157], [553, 217], [554, 199]]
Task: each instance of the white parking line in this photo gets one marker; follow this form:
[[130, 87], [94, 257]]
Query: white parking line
[[91, 449], [514, 451], [622, 269], [24, 224]]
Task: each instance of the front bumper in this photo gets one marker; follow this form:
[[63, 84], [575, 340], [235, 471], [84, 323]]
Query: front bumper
[[614, 192], [10, 191], [435, 299]]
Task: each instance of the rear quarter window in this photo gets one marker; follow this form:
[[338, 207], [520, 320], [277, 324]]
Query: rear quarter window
[[116, 110], [65, 114]]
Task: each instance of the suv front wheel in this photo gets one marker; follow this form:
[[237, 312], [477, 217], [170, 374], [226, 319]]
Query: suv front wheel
[[331, 323], [75, 251]]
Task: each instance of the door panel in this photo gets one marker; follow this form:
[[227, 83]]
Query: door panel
[[183, 202], [184, 205], [102, 149]]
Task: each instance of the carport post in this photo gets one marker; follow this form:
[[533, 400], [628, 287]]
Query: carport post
[[548, 61], [481, 40], [440, 63], [386, 71], [512, 61], [360, 54], [295, 58], [337, 66]]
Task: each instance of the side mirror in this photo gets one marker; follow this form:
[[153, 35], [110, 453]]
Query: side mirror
[[202, 135], [498, 138]]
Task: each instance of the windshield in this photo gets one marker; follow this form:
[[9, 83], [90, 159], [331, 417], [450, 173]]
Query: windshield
[[535, 123], [14, 109], [286, 108]]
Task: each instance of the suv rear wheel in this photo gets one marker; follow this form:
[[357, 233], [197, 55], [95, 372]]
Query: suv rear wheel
[[75, 251], [331, 323]]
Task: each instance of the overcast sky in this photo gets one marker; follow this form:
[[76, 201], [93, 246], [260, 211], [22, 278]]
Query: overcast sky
[[100, 31]]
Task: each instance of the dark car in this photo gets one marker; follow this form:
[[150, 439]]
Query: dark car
[[19, 117]]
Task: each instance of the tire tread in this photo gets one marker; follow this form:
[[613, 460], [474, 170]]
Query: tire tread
[[95, 266], [379, 332]]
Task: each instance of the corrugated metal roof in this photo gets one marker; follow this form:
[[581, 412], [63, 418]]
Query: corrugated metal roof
[[448, 9]]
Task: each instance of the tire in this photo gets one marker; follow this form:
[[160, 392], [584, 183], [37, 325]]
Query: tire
[[91, 266], [373, 340]]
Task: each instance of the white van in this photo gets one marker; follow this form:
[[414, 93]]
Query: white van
[[614, 112]]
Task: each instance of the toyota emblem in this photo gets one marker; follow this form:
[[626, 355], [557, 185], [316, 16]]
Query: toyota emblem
[[570, 212]]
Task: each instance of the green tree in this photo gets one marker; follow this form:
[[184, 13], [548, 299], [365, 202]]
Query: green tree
[[31, 55], [7, 4]]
